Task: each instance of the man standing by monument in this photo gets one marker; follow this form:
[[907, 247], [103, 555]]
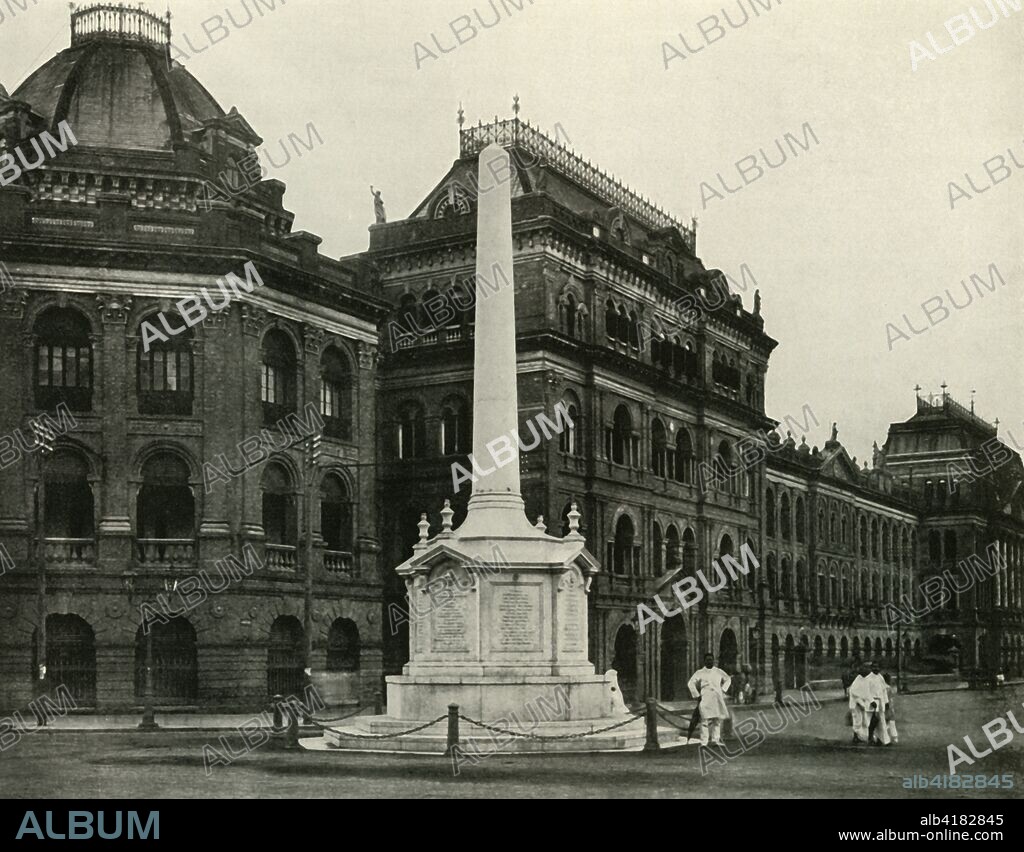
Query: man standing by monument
[[709, 685]]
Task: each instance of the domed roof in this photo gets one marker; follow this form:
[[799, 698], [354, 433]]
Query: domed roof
[[118, 88]]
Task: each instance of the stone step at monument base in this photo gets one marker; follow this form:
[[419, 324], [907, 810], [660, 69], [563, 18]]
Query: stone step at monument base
[[477, 741]]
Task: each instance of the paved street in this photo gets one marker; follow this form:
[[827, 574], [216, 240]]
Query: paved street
[[812, 757]]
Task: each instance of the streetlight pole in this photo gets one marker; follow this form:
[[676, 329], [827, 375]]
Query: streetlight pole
[[312, 457], [45, 438], [761, 603]]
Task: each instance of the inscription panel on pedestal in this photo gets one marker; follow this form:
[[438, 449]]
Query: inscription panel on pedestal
[[572, 612], [516, 618], [450, 600]]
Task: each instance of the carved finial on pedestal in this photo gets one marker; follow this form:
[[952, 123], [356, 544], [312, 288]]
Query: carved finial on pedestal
[[540, 525], [424, 528], [462, 116], [515, 105], [446, 517], [574, 519]]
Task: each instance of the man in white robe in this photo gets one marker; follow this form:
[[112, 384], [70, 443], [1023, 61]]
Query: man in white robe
[[863, 702], [710, 684], [880, 695]]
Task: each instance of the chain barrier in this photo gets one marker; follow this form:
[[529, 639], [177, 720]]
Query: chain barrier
[[387, 736], [633, 717], [666, 719]]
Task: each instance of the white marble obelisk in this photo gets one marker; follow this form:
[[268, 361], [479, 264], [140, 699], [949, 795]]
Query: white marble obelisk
[[496, 504]]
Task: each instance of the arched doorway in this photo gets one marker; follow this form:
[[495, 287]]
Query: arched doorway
[[286, 657], [70, 657], [673, 660], [727, 651], [175, 662], [624, 661]]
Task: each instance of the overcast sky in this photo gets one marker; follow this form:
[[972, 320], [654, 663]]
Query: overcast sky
[[842, 239]]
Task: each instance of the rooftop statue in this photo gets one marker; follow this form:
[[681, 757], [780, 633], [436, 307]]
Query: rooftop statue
[[378, 206]]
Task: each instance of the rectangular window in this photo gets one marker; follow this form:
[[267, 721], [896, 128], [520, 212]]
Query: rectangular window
[[185, 373], [58, 367], [158, 370], [271, 388], [145, 373], [44, 366], [71, 366], [330, 399], [172, 371]]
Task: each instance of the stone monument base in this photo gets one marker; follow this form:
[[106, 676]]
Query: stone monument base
[[530, 698]]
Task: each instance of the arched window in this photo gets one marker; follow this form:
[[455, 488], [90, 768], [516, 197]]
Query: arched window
[[659, 448], [818, 646], [286, 657], [568, 312], [725, 477], [844, 535], [785, 521], [343, 646], [844, 648], [673, 551], [802, 589], [68, 519], [454, 427], [164, 373], [684, 456], [411, 432], [831, 647], [801, 528], [634, 331], [277, 383], [786, 589], [886, 542], [863, 537], [622, 325], [874, 538], [611, 320], [63, 360], [166, 513], [657, 543], [833, 527], [336, 394], [336, 524], [279, 517], [769, 513], [571, 438], [689, 552], [771, 577], [622, 436], [625, 552], [70, 656]]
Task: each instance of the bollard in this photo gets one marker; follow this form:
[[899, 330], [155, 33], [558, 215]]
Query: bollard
[[277, 726], [291, 739], [651, 720], [453, 729], [378, 703]]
